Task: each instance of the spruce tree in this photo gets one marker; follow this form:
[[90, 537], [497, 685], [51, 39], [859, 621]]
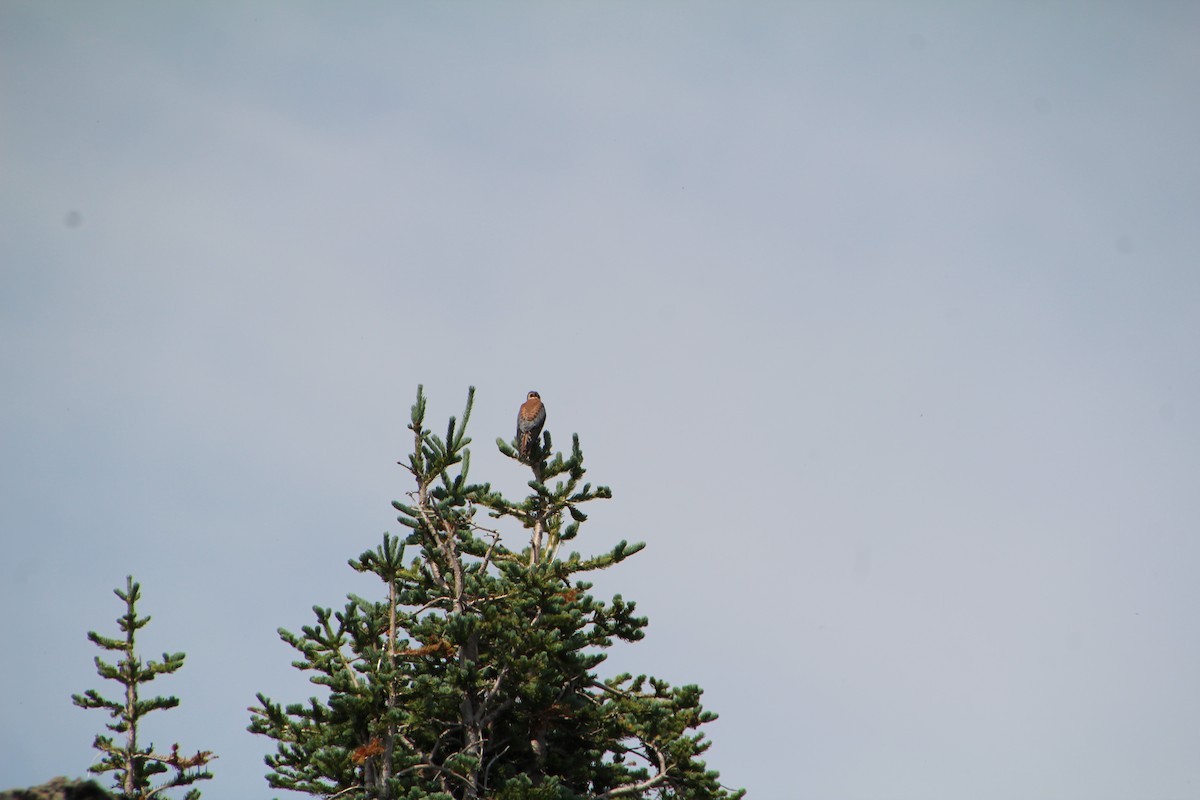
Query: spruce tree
[[134, 766], [473, 674]]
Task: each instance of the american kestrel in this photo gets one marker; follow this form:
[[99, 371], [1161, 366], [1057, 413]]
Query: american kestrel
[[530, 420]]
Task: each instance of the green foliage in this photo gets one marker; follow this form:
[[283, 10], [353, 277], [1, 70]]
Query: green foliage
[[473, 675], [134, 767]]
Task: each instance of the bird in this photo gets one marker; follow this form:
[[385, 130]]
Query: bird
[[530, 420]]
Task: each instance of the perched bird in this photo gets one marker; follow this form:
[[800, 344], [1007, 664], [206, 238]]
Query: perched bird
[[530, 420]]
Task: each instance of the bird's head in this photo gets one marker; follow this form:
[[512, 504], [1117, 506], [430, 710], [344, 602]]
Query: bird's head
[[533, 396]]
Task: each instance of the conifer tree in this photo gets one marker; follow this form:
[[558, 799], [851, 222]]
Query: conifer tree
[[472, 676], [134, 766]]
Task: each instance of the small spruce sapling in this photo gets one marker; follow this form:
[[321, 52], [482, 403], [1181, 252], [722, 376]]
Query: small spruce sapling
[[134, 766]]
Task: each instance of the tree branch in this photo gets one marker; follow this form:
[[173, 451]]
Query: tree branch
[[641, 786]]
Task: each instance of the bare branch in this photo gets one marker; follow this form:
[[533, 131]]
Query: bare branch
[[649, 783], [347, 790]]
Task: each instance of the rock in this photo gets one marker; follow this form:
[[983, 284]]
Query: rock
[[59, 789]]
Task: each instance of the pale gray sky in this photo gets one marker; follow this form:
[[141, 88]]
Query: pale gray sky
[[881, 320]]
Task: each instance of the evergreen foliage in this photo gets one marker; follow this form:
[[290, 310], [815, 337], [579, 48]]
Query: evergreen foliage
[[473, 675], [134, 767]]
